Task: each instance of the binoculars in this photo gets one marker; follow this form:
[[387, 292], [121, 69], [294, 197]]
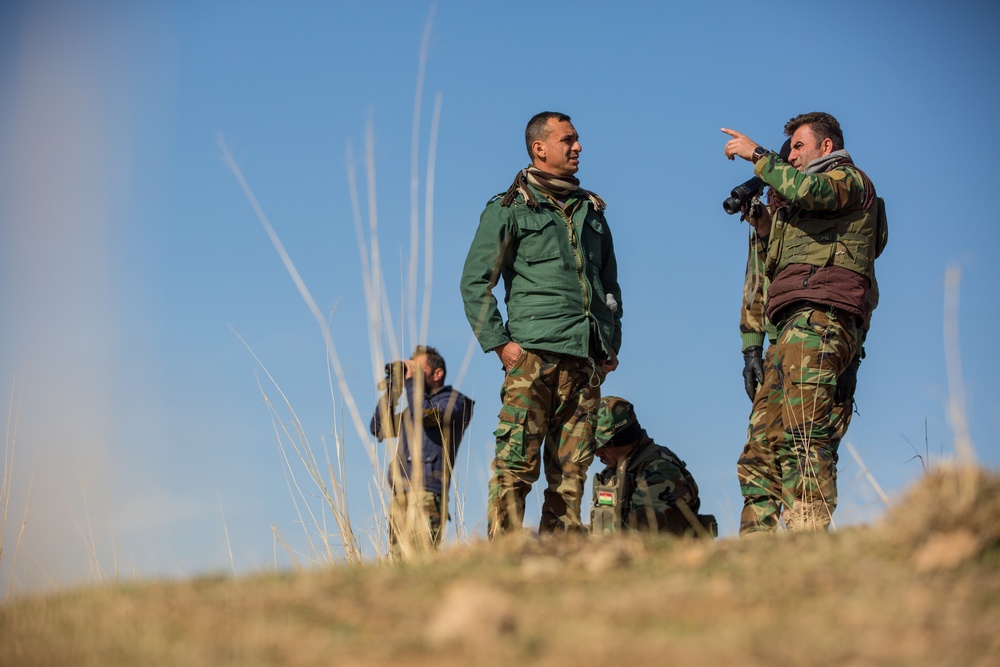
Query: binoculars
[[742, 194]]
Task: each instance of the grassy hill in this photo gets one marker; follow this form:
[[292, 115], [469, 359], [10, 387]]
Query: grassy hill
[[920, 588]]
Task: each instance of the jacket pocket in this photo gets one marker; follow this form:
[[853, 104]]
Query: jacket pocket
[[432, 467], [593, 243], [536, 240]]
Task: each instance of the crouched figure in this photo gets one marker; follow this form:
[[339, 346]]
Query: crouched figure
[[645, 486]]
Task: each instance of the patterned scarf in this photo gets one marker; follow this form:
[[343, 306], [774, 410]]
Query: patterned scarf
[[558, 187], [837, 159], [828, 161]]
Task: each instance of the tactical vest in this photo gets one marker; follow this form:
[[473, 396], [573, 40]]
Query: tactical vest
[[850, 239], [612, 492], [606, 511]]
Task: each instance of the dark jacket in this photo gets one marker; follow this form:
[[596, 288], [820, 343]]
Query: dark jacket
[[441, 423]]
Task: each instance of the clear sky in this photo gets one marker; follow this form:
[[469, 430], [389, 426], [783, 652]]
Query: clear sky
[[133, 262]]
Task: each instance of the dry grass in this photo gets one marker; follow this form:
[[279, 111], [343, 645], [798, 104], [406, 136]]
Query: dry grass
[[6, 487], [385, 342], [862, 596], [307, 476]]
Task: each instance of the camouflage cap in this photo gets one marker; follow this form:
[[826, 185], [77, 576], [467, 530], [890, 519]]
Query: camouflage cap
[[615, 415]]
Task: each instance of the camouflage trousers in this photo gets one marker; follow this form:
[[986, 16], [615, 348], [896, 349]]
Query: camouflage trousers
[[790, 459], [549, 411], [415, 521]]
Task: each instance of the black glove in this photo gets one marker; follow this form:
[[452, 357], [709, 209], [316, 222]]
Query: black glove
[[753, 369], [847, 383]]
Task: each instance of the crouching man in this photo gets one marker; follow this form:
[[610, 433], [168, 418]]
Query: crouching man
[[645, 486]]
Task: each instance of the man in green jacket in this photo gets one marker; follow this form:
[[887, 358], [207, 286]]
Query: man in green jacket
[[547, 239], [821, 291]]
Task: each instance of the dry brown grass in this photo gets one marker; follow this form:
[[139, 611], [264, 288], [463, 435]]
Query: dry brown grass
[[862, 596]]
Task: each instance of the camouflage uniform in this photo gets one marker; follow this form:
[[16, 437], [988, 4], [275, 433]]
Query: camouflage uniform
[[796, 425], [753, 323], [557, 263], [649, 489], [549, 409], [769, 477], [758, 470]]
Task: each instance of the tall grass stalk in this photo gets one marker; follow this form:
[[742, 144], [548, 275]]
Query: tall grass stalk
[[225, 529], [953, 364], [386, 342], [867, 473], [292, 433], [380, 319], [20, 536], [418, 95], [86, 530], [331, 349], [292, 553], [333, 362], [969, 480], [13, 416], [6, 486]]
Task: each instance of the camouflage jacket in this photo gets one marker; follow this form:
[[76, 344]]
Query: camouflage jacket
[[647, 486], [753, 322], [835, 223], [559, 274]]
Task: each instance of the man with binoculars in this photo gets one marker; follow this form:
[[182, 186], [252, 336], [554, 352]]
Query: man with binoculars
[[429, 432]]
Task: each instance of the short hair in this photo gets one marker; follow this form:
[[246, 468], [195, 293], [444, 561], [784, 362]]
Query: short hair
[[536, 129], [434, 358], [823, 125]]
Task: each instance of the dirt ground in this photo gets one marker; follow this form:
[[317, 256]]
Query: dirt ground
[[920, 588]]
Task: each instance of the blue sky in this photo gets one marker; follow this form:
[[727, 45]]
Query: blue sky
[[133, 263]]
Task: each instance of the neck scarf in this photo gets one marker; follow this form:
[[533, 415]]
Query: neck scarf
[[557, 187], [839, 159], [828, 161]]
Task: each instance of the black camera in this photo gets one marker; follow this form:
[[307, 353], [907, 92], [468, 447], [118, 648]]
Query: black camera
[[742, 194]]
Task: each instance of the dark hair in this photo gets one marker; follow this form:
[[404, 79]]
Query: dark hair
[[434, 358], [536, 129], [823, 125]]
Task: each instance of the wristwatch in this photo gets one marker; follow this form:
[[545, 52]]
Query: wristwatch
[[758, 153]]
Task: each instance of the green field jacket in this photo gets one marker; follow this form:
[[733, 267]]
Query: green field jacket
[[559, 275]]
